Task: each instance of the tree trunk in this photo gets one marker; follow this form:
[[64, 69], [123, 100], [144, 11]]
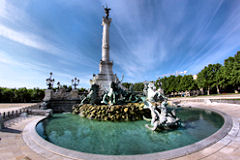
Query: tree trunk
[[218, 90], [201, 91], [208, 91]]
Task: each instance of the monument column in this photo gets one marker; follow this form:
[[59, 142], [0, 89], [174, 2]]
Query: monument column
[[105, 66], [105, 76], [105, 39]]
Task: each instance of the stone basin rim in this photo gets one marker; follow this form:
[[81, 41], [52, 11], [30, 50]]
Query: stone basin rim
[[36, 143]]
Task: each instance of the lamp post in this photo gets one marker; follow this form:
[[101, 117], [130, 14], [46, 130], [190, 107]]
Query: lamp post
[[59, 85], [50, 81], [75, 82]]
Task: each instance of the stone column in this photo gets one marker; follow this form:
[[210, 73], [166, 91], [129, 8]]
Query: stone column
[[105, 76], [105, 39]]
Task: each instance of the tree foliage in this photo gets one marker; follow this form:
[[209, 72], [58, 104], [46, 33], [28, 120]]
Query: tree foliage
[[214, 78], [82, 90], [127, 85], [231, 71], [210, 77], [21, 95], [138, 87], [178, 83], [222, 78]]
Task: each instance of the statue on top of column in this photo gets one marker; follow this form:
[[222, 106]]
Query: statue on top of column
[[106, 10]]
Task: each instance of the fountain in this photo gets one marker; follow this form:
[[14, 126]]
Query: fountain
[[107, 98], [162, 117], [113, 120], [59, 99]]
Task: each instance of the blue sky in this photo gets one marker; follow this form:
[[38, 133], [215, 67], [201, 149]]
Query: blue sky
[[148, 38]]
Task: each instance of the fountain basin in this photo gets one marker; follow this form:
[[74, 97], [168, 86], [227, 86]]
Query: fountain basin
[[137, 145]]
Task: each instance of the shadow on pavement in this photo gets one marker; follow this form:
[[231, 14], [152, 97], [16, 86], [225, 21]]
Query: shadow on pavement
[[10, 130]]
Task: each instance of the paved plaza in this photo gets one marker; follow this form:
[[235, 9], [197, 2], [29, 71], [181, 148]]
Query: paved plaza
[[178, 96], [13, 147]]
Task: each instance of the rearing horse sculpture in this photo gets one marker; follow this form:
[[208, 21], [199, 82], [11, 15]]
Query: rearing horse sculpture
[[164, 119]]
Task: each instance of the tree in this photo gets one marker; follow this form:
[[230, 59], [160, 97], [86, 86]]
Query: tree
[[37, 94], [10, 95], [176, 84], [82, 90], [236, 70], [164, 84], [22, 95], [68, 88], [209, 77], [7, 95], [217, 76], [126, 84], [167, 84], [231, 71], [138, 87], [171, 84], [202, 79], [1, 95], [187, 83]]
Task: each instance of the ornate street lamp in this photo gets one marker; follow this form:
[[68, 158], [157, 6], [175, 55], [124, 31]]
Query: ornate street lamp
[[75, 82], [50, 81], [59, 85]]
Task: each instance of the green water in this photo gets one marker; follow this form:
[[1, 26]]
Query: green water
[[127, 138]]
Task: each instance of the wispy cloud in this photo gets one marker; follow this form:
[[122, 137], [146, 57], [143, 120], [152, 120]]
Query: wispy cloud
[[176, 73], [138, 52], [9, 60], [147, 38], [6, 60], [16, 24], [29, 39]]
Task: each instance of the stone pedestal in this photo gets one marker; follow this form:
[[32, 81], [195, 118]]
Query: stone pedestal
[[61, 101], [105, 67], [74, 95], [48, 95], [59, 106], [104, 81]]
